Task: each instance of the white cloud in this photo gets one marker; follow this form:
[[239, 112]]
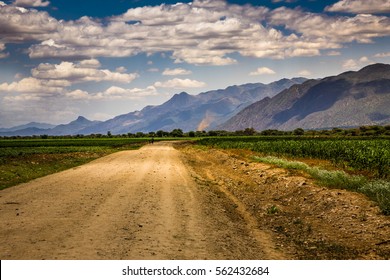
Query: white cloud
[[2, 53], [101, 116], [204, 33], [78, 94], [381, 55], [202, 57], [262, 71], [32, 3], [320, 31], [360, 6], [350, 64], [54, 80], [22, 98], [90, 63], [33, 85], [24, 25], [180, 83], [117, 92], [113, 93], [121, 69], [355, 64], [304, 73], [176, 72], [333, 53], [201, 33], [84, 71]]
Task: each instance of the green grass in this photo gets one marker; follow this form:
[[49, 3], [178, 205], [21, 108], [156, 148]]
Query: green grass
[[24, 160], [377, 190], [362, 154]]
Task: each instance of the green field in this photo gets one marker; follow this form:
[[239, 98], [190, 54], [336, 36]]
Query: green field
[[362, 154], [22, 160]]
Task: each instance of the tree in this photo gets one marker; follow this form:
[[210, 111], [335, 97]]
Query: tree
[[249, 131], [160, 133], [299, 131], [177, 132]]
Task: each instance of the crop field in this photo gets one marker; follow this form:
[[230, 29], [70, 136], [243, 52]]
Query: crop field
[[372, 155], [24, 159]]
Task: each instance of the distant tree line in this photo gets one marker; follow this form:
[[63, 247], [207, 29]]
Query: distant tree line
[[372, 130]]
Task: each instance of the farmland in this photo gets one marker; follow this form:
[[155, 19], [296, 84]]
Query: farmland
[[24, 159], [364, 154], [180, 195], [367, 156]]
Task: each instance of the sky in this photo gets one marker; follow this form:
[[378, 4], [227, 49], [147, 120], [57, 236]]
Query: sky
[[60, 59]]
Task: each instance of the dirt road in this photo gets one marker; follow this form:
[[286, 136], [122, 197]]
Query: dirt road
[[140, 204], [176, 201]]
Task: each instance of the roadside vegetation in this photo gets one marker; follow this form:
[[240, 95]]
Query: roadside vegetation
[[376, 190], [22, 160], [360, 164]]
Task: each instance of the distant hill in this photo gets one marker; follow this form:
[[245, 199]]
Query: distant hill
[[204, 111], [28, 126], [71, 128], [347, 100]]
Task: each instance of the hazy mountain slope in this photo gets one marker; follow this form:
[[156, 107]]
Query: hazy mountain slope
[[71, 128], [192, 112], [28, 126], [349, 99]]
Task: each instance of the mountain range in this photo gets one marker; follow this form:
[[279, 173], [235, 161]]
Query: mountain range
[[350, 99], [204, 111]]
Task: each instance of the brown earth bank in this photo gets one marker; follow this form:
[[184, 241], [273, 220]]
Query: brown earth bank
[[305, 221], [178, 201]]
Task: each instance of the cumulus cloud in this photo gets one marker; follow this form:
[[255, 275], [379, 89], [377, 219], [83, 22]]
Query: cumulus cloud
[[304, 73], [320, 31], [84, 71], [2, 53], [180, 83], [355, 64], [381, 55], [203, 32], [113, 93], [18, 24], [176, 72], [360, 6], [55, 80], [262, 71], [31, 3], [33, 85], [121, 69], [333, 53]]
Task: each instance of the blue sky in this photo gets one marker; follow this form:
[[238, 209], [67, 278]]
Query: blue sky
[[61, 59]]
